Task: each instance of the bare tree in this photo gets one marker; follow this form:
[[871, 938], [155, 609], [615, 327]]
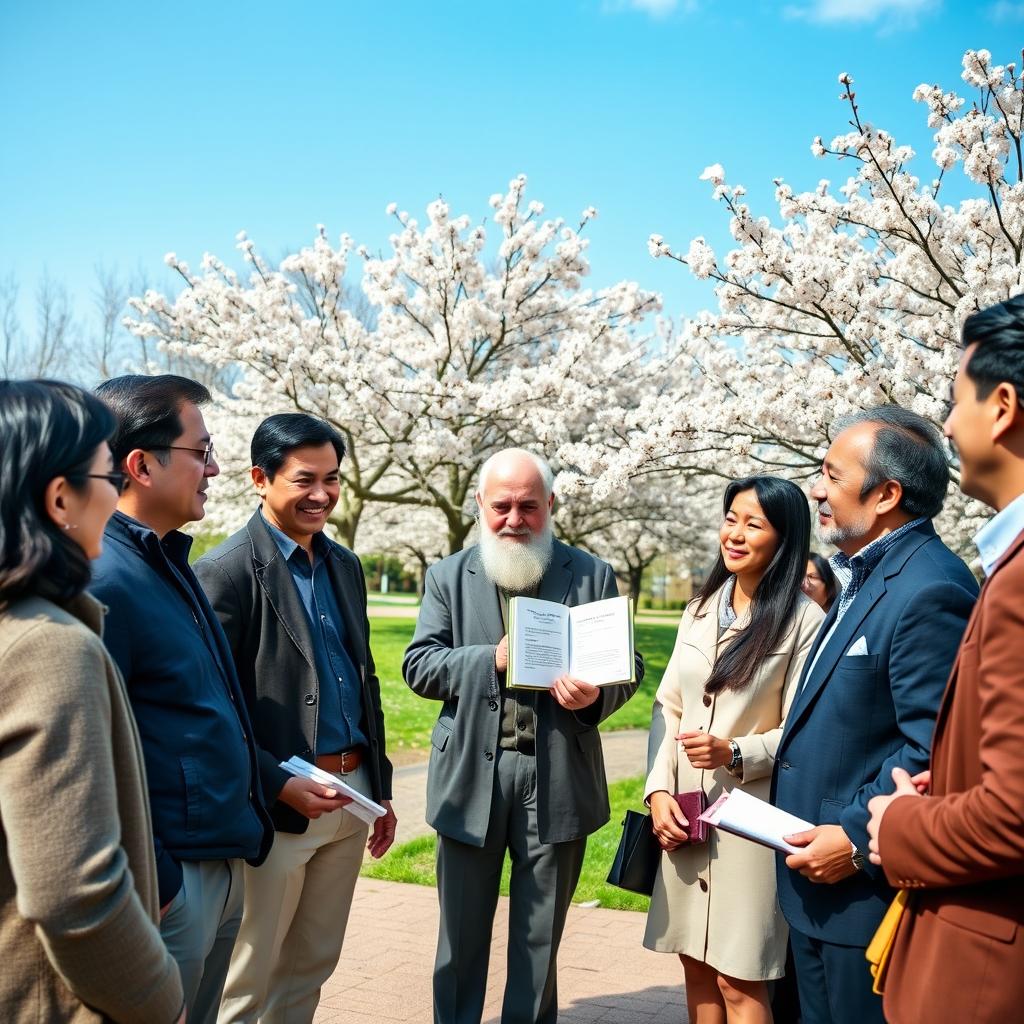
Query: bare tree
[[109, 344], [49, 352], [10, 328]]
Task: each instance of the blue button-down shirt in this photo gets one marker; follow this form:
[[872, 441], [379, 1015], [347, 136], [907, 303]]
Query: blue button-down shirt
[[340, 705]]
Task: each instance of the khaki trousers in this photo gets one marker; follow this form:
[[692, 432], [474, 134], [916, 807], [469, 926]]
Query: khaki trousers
[[293, 923]]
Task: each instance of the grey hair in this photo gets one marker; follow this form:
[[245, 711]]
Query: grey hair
[[546, 475], [908, 449]]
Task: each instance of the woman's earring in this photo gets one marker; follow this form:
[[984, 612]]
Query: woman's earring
[[70, 526]]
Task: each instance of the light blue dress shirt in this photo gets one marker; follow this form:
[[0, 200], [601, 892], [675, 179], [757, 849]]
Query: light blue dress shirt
[[999, 533]]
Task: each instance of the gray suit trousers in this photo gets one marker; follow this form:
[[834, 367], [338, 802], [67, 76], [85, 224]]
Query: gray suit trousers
[[544, 877]]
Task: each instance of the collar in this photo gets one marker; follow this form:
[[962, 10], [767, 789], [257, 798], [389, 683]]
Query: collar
[[999, 533], [88, 611], [175, 544], [726, 612], [287, 546], [859, 565]]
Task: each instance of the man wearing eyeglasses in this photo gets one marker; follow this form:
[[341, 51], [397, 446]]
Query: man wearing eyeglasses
[[204, 789]]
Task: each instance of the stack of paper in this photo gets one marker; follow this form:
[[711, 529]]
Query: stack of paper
[[362, 806], [744, 815]]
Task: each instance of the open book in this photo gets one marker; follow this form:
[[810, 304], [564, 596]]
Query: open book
[[744, 815], [592, 642], [362, 806]]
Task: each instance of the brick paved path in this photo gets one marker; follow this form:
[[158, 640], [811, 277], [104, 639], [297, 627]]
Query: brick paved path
[[604, 973]]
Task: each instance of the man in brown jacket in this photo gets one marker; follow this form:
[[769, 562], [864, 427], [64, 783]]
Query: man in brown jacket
[[959, 949]]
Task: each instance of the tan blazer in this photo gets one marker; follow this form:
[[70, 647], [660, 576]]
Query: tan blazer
[[78, 894], [959, 953], [739, 929]]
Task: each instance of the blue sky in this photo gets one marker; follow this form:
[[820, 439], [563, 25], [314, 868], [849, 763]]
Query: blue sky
[[129, 130]]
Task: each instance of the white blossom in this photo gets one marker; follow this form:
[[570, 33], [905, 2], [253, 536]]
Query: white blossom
[[849, 297], [439, 356]]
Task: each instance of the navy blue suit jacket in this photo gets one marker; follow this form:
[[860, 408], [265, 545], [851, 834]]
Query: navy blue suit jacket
[[856, 717]]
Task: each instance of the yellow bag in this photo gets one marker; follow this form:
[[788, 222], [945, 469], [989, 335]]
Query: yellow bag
[[880, 947]]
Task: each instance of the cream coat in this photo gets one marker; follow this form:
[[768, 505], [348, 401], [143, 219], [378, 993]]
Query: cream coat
[[716, 902]]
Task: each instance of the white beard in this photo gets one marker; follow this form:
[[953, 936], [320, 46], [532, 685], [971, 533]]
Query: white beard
[[515, 566]]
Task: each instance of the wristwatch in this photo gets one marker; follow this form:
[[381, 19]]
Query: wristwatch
[[857, 857], [735, 765]]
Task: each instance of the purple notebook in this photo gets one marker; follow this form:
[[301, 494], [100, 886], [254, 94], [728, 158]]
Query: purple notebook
[[693, 804]]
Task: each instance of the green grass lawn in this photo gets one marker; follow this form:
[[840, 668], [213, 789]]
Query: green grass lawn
[[409, 718], [414, 861], [411, 600]]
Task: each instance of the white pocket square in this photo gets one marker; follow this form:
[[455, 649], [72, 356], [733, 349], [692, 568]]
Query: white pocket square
[[859, 647]]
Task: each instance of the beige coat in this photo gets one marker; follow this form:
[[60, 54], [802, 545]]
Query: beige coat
[[78, 891], [716, 901]]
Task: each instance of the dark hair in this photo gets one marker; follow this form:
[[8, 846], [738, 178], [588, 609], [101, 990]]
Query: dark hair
[[908, 449], [49, 429], [999, 334], [828, 577], [148, 411], [277, 436], [777, 595]]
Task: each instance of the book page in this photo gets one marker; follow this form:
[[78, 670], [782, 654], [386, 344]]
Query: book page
[[761, 822], [538, 642], [601, 642]]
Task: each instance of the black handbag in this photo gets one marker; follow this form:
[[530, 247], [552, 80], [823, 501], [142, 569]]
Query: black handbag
[[636, 860]]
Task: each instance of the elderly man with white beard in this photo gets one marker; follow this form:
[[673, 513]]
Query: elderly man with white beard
[[520, 771]]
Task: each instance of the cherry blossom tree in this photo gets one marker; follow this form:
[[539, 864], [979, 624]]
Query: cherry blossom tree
[[655, 516], [464, 339], [850, 297]]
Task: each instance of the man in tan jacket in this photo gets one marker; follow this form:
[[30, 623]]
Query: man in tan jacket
[[960, 850]]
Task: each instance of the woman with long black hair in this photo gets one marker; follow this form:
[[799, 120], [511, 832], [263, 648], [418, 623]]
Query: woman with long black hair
[[78, 890], [716, 725]]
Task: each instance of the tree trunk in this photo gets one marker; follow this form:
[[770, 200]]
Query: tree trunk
[[421, 576], [347, 514], [636, 575]]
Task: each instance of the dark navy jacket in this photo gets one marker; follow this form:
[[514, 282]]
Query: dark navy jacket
[[198, 743], [855, 717]]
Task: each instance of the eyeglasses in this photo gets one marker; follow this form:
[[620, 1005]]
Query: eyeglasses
[[207, 452], [117, 480]]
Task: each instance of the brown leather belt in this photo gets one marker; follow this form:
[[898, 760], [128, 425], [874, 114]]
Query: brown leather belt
[[343, 763]]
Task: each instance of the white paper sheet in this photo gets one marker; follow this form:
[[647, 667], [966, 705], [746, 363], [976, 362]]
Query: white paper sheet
[[362, 806], [540, 642], [599, 642], [761, 822]]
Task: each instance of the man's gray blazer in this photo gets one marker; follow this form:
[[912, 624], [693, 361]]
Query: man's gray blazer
[[451, 659]]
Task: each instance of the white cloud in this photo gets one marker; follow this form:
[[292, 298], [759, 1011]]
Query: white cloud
[[1004, 10], [654, 8], [893, 12], [658, 8]]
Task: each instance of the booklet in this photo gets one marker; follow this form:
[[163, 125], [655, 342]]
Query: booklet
[[744, 815], [591, 642], [362, 806]]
